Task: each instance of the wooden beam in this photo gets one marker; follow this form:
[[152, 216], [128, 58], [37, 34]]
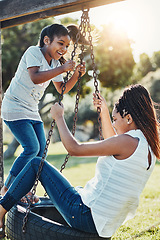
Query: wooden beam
[[1, 128], [15, 12], [29, 18]]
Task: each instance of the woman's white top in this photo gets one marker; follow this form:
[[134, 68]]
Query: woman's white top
[[22, 96], [113, 194]]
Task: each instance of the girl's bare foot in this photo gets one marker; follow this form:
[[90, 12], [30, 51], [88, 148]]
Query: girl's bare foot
[[24, 199], [28, 196], [3, 190]]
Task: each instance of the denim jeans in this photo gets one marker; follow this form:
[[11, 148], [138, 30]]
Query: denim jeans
[[30, 134], [65, 198]]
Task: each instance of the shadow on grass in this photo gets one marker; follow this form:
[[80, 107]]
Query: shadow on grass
[[152, 229], [58, 160]]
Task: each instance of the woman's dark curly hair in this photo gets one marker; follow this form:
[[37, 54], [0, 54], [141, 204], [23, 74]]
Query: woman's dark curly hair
[[137, 102]]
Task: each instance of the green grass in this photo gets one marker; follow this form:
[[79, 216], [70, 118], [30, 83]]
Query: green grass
[[144, 226]]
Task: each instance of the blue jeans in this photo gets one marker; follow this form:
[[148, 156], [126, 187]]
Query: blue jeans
[[65, 198], [30, 134]]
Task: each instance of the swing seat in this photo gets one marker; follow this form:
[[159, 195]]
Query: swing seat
[[44, 223]]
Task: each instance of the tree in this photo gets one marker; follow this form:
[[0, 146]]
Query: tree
[[152, 82], [114, 58], [145, 65], [156, 60]]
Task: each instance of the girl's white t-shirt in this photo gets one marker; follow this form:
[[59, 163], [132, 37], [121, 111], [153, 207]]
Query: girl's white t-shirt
[[22, 96], [113, 194]]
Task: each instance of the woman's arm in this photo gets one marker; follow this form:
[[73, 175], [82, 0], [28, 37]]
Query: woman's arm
[[119, 146], [107, 128]]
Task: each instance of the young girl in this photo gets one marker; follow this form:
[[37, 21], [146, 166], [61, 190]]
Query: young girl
[[127, 158], [38, 66]]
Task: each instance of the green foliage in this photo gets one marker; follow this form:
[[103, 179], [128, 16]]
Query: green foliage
[[145, 64], [67, 21], [152, 82], [143, 67], [14, 42], [114, 58], [156, 59]]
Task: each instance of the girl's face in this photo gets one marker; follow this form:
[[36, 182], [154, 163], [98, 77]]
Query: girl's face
[[58, 47], [120, 124]]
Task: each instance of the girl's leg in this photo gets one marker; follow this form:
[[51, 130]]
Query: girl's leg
[[33, 141], [39, 130], [63, 195]]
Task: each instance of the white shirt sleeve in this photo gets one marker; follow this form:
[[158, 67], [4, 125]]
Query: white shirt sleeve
[[33, 57], [58, 78]]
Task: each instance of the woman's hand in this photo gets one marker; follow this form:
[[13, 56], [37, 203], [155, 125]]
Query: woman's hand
[[107, 128], [99, 101], [81, 68], [57, 111], [69, 65]]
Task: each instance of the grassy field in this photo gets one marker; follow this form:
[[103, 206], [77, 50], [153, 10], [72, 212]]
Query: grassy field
[[145, 225]]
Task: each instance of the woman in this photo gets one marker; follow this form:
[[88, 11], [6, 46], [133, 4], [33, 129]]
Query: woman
[[127, 158]]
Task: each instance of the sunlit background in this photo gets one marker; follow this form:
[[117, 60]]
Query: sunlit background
[[139, 18], [113, 53]]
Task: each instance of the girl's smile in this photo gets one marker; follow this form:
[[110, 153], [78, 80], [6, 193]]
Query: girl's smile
[[57, 48]]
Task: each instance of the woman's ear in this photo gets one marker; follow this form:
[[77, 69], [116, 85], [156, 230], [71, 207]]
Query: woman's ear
[[129, 118]]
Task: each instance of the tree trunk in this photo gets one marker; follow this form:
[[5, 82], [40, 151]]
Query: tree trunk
[[12, 147]]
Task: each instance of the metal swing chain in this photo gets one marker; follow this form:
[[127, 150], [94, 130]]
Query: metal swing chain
[[84, 23], [33, 191], [94, 71], [82, 26]]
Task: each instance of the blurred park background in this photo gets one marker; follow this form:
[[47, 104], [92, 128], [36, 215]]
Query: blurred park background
[[116, 48], [120, 61]]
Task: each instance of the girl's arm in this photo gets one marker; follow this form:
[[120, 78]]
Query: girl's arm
[[107, 128], [42, 76], [120, 146], [80, 68]]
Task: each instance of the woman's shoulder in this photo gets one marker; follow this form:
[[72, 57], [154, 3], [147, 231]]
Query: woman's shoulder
[[134, 136], [126, 146], [136, 133], [126, 139]]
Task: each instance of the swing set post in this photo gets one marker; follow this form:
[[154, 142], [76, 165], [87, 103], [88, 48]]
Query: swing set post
[[2, 234], [1, 128]]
